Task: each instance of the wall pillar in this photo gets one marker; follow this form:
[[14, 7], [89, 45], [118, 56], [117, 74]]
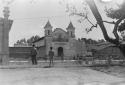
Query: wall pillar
[[5, 26]]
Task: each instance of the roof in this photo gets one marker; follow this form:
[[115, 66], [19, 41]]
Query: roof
[[42, 38], [48, 25], [59, 29], [70, 26], [108, 45], [100, 46]]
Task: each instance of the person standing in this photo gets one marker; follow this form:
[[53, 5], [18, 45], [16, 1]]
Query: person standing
[[51, 55], [33, 55]]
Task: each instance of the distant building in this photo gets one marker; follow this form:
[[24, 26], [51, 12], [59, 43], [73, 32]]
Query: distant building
[[104, 50], [63, 42]]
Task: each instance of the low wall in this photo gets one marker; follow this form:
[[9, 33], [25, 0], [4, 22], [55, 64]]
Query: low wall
[[19, 52], [24, 52]]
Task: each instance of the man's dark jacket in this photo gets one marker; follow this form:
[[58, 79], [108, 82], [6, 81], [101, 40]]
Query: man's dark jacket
[[33, 52]]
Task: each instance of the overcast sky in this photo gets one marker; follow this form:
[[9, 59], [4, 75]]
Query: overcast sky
[[30, 16]]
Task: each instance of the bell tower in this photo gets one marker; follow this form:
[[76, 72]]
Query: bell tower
[[48, 36], [48, 29], [71, 30]]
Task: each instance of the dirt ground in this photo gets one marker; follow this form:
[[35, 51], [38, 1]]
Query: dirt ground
[[118, 71], [57, 76]]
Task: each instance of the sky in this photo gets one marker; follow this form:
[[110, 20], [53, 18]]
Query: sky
[[30, 17]]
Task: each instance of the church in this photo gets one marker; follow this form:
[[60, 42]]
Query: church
[[64, 43]]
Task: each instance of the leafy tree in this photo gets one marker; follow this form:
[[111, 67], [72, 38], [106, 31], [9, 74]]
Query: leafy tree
[[32, 39], [21, 41]]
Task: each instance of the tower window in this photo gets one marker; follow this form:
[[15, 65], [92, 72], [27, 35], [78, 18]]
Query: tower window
[[48, 32]]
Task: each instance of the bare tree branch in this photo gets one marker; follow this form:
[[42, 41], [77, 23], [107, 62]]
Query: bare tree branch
[[90, 29], [89, 21], [85, 17], [109, 22], [79, 14]]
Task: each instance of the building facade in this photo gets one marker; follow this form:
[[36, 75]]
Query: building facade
[[64, 43]]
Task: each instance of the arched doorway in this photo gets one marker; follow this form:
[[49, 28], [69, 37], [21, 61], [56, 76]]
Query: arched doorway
[[60, 52]]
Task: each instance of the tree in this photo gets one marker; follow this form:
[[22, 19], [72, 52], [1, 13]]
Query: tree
[[28, 41], [117, 14], [21, 41], [119, 18], [32, 39]]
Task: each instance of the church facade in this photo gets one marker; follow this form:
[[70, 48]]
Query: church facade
[[64, 43]]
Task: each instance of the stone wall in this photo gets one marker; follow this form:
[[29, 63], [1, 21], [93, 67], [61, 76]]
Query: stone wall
[[24, 52], [19, 52]]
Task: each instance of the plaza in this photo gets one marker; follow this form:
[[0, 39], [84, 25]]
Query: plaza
[[57, 76], [62, 73]]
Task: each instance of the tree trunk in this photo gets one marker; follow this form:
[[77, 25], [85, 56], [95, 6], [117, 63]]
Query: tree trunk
[[122, 49], [99, 20]]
